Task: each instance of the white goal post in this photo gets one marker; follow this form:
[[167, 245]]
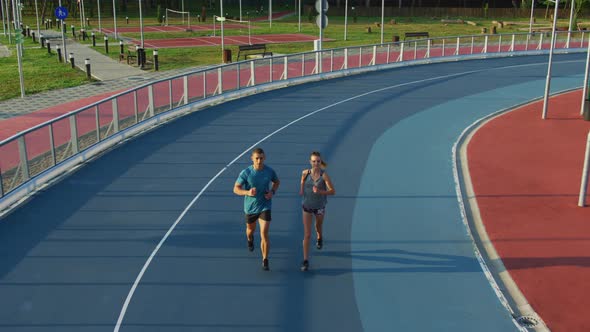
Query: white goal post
[[175, 17]]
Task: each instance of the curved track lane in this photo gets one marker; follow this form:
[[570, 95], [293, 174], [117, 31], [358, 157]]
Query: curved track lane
[[396, 257]]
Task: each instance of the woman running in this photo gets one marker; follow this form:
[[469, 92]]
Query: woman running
[[315, 188]]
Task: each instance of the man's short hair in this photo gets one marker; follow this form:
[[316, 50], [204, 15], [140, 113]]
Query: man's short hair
[[258, 151]]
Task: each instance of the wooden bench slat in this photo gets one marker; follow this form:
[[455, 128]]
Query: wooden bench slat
[[247, 49], [416, 34]]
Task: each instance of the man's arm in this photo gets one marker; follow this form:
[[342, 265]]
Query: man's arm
[[242, 192], [273, 190], [275, 185]]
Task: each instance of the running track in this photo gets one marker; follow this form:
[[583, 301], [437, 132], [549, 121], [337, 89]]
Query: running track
[[526, 174], [396, 257]]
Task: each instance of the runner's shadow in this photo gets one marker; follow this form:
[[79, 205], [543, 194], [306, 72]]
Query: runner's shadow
[[516, 263], [399, 261]]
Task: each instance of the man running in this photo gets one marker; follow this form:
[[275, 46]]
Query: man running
[[253, 183]]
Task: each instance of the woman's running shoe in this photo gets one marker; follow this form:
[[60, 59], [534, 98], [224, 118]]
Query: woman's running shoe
[[305, 265], [320, 243]]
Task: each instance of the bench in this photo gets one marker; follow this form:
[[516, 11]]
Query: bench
[[131, 55], [253, 49], [415, 35]]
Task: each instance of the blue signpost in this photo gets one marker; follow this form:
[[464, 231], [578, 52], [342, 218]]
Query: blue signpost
[[61, 13]]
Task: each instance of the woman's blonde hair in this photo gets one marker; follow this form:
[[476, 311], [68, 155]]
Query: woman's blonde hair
[[323, 164]]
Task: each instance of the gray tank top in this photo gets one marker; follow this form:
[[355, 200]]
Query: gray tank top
[[310, 199]]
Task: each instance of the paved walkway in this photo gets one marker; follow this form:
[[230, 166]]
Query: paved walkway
[[113, 75]]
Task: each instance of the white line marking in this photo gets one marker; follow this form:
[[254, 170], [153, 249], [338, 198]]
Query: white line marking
[[194, 200], [486, 271]]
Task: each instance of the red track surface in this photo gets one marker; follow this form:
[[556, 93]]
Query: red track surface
[[228, 40], [526, 175], [172, 28], [23, 122]]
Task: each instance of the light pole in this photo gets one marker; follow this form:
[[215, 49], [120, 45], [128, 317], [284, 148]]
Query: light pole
[[141, 23], [81, 18], [3, 19], [548, 81], [115, 18], [345, 18], [270, 13], [569, 30], [222, 21], [532, 17], [299, 11], [37, 17], [99, 24], [7, 21], [322, 10], [82, 10], [585, 89], [382, 18], [63, 34], [19, 51]]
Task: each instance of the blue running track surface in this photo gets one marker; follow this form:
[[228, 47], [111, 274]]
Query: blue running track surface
[[396, 255]]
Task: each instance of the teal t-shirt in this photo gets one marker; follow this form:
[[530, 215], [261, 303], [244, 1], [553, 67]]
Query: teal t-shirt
[[262, 181]]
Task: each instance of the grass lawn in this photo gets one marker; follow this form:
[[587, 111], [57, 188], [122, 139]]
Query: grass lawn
[[43, 72]]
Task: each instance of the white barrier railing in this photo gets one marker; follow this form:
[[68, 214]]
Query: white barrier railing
[[30, 153], [584, 182]]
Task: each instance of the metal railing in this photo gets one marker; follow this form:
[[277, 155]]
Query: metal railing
[[28, 157]]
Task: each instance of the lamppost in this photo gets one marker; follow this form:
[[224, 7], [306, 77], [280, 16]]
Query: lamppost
[[37, 17], [7, 21], [569, 30], [81, 18], [345, 18], [585, 97], [3, 19], [99, 24], [19, 49], [222, 17], [299, 11], [141, 23], [382, 18], [63, 32], [270, 13], [115, 18], [532, 17], [548, 80]]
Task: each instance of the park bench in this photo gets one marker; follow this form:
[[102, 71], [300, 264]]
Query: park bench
[[253, 49], [131, 55], [415, 35]]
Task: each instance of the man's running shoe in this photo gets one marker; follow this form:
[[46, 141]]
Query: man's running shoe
[[319, 244], [305, 265], [265, 264], [251, 244]]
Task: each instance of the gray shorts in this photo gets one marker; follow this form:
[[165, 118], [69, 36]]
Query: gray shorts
[[317, 212]]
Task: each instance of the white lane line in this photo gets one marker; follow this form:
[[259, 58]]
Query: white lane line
[[194, 200]]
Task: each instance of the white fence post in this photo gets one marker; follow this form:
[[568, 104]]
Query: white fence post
[[584, 182], [74, 134]]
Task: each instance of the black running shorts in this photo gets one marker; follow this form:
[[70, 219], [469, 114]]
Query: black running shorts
[[264, 215]]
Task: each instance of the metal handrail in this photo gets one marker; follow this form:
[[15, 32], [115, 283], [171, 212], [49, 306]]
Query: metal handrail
[[20, 161]]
